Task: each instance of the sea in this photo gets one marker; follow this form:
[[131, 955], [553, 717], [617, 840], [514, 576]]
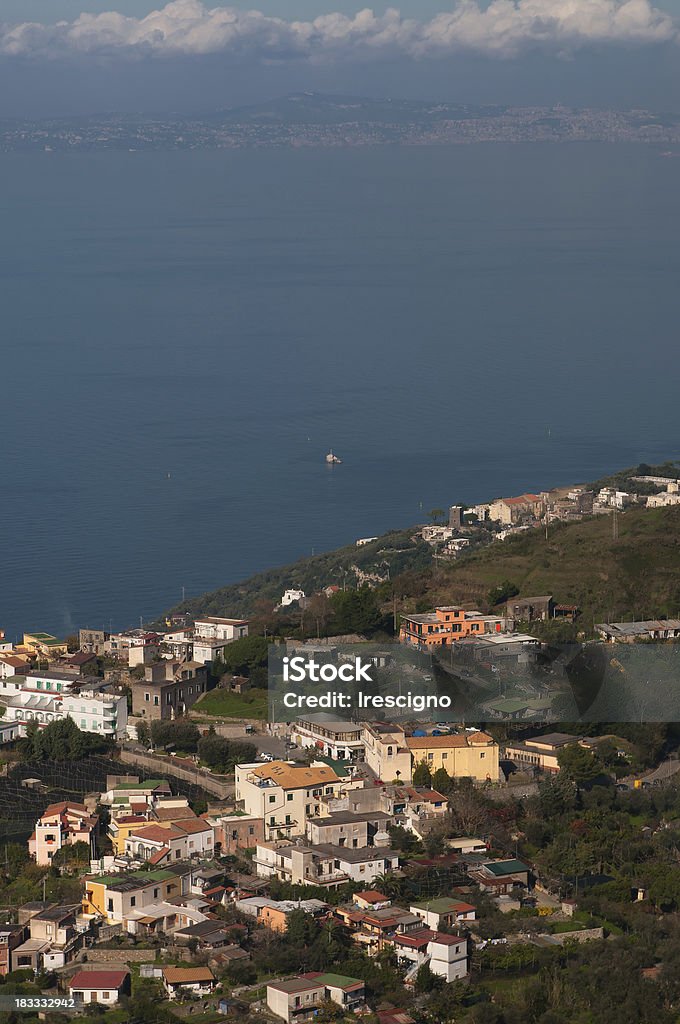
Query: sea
[[185, 335]]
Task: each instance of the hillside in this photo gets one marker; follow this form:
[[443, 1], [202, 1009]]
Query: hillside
[[388, 556], [636, 576]]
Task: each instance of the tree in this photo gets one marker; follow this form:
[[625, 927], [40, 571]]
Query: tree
[[469, 813], [426, 980], [442, 781], [144, 734], [180, 734], [502, 592], [578, 763], [243, 656], [62, 740], [221, 754], [355, 611], [422, 775]]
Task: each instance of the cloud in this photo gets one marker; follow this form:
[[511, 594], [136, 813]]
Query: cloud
[[504, 28]]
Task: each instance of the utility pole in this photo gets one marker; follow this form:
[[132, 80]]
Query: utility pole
[[615, 523]]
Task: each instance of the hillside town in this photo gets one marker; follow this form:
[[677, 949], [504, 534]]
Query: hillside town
[[174, 851], [321, 868]]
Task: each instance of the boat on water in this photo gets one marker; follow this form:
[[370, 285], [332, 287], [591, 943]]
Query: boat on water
[[332, 459]]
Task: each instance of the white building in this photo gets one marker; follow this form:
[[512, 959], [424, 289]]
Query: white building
[[212, 634], [291, 596], [101, 987], [325, 865], [331, 737], [103, 713], [45, 700], [446, 955], [285, 795]]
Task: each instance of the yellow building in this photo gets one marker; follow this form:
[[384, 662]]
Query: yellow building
[[117, 897], [44, 645], [472, 755]]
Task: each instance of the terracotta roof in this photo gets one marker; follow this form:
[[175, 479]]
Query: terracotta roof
[[187, 975], [371, 896], [107, 980], [294, 777], [159, 855], [173, 813], [65, 805], [191, 826], [155, 833]]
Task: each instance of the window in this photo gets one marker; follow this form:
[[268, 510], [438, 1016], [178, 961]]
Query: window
[[289, 796], [133, 901], [156, 701], [272, 820], [251, 831], [147, 696], [482, 754], [109, 905], [272, 799]]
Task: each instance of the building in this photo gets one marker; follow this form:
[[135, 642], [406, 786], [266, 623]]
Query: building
[[539, 752], [443, 913], [236, 832], [52, 696], [169, 689], [502, 649], [44, 645], [164, 842], [195, 981], [103, 987], [345, 828], [291, 597], [472, 755], [212, 634], [531, 609], [456, 513], [445, 954], [62, 824], [299, 999], [500, 877], [115, 898], [374, 928], [284, 795], [447, 624], [332, 737], [11, 936], [510, 511], [386, 751], [648, 629], [273, 914], [94, 711], [326, 866], [54, 939], [96, 641]]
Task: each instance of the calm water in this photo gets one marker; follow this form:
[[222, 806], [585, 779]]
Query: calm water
[[185, 335]]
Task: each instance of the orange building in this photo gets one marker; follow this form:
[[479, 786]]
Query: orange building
[[447, 624]]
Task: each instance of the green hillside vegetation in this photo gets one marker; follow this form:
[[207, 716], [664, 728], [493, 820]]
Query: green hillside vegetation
[[396, 551], [633, 577]]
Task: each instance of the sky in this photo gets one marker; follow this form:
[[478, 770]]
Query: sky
[[95, 56]]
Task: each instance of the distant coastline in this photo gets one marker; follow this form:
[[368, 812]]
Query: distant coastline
[[314, 120]]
